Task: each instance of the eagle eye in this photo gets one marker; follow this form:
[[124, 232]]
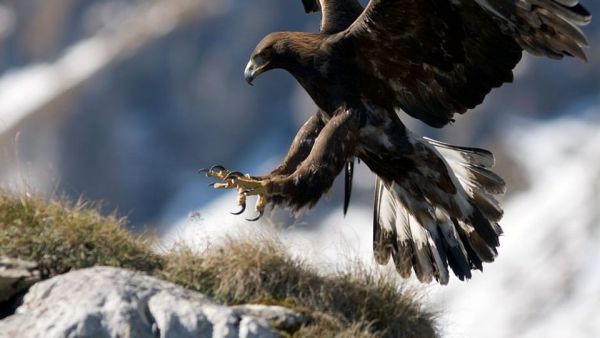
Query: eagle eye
[[260, 59]]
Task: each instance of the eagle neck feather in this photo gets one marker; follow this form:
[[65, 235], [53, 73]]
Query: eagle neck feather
[[298, 52], [305, 57]]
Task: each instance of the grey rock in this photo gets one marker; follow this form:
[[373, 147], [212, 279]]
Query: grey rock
[[16, 276], [109, 302], [280, 317]]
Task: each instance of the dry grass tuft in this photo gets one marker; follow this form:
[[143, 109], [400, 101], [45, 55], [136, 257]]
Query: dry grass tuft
[[61, 237], [260, 271]]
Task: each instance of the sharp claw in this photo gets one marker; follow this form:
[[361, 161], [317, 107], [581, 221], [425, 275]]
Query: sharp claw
[[234, 174], [245, 184], [260, 214], [241, 211], [217, 167]]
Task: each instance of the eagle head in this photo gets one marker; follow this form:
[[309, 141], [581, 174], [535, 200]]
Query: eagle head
[[286, 50], [265, 56]]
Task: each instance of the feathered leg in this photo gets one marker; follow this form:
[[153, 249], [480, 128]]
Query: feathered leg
[[333, 148], [299, 150]]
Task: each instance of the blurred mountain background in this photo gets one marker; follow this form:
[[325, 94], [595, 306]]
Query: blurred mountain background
[[121, 101]]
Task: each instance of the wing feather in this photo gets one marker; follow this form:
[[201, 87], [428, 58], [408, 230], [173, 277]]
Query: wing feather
[[437, 58], [337, 15], [384, 220], [431, 58]]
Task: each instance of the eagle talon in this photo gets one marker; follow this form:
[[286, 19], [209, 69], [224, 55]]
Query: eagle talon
[[249, 186], [234, 175], [239, 212], [246, 185], [260, 215], [241, 201], [216, 171], [261, 204]]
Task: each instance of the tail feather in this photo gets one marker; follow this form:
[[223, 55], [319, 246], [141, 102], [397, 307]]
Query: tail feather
[[484, 228], [480, 183], [423, 259], [484, 251], [391, 233], [474, 259], [456, 252], [483, 179], [384, 220], [489, 206], [466, 155], [436, 249], [427, 228], [403, 258], [471, 166], [403, 253]]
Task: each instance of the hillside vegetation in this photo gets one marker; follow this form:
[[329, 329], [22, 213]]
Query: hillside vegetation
[[63, 236]]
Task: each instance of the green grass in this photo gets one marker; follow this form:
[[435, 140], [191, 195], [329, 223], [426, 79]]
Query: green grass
[[61, 236]]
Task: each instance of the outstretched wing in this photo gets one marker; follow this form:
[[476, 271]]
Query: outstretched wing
[[337, 15], [437, 58], [543, 27]]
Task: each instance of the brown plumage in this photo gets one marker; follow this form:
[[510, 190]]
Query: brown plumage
[[434, 204]]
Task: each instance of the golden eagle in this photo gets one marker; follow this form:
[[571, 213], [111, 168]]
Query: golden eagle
[[432, 59]]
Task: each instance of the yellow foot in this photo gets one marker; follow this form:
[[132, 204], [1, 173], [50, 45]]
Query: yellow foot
[[245, 185]]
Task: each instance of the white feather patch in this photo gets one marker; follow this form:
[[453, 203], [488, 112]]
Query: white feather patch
[[387, 212], [421, 251]]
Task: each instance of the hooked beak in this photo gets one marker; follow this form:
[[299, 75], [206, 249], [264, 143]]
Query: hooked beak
[[253, 70], [249, 73]]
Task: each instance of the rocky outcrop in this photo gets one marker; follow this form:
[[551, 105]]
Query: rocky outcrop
[[279, 317], [110, 302], [16, 276]]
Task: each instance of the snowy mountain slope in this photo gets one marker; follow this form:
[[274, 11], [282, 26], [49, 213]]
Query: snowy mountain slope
[[546, 281]]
